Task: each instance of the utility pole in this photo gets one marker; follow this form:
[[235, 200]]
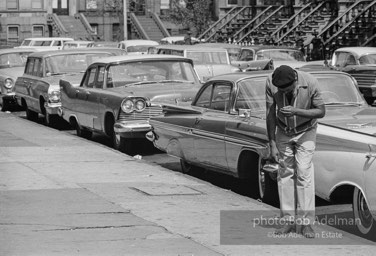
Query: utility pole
[[125, 7]]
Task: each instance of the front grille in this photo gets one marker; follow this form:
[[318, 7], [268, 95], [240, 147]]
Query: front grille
[[365, 79], [146, 114]]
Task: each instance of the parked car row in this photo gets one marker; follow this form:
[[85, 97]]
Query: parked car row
[[218, 125]]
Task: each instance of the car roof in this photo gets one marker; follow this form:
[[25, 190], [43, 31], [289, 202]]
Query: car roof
[[268, 47], [194, 47], [77, 41], [141, 57], [221, 45], [41, 54], [357, 50], [241, 75], [49, 38], [133, 42], [10, 50]]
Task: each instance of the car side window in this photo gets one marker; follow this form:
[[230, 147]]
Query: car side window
[[100, 78], [37, 70], [90, 77], [341, 58], [57, 43], [246, 55], [29, 66], [351, 60], [215, 96]]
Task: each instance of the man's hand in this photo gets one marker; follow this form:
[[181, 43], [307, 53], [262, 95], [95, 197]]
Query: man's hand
[[274, 153], [288, 111]]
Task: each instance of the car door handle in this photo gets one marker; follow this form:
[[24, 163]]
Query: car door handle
[[87, 95], [198, 120]]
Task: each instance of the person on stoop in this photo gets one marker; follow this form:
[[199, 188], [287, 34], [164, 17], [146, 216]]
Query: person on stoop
[[293, 105]]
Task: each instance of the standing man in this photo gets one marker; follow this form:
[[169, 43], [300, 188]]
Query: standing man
[[188, 38], [293, 104]]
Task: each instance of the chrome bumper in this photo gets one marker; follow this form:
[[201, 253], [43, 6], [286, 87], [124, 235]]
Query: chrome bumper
[[130, 128], [52, 108]]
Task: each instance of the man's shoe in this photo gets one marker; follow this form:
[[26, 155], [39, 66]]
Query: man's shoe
[[308, 232], [285, 229]]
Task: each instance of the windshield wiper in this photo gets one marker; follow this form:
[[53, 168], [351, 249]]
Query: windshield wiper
[[57, 74], [176, 81], [142, 82]]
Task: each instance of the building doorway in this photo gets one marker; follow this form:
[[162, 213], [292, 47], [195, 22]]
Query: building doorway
[[60, 7]]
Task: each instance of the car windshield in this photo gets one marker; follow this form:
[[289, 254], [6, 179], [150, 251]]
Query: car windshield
[[368, 59], [138, 48], [41, 43], [150, 72], [207, 57], [280, 54], [26, 43], [71, 63], [15, 59], [335, 89]]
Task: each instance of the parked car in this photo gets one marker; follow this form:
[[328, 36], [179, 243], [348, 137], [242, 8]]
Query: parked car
[[75, 44], [12, 65], [118, 95], [224, 130], [38, 91], [177, 40], [280, 55], [44, 43], [232, 49], [360, 62], [208, 61], [103, 44], [136, 46]]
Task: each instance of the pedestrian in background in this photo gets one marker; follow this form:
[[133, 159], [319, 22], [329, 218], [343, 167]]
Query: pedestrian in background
[[293, 103], [188, 38]]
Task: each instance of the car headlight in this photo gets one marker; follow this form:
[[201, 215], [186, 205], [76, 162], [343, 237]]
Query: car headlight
[[140, 105], [127, 106], [54, 96], [9, 83], [130, 105]]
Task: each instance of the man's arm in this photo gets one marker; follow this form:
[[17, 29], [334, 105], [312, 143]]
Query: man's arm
[[271, 125]]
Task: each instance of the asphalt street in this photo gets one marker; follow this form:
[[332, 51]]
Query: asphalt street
[[63, 195]]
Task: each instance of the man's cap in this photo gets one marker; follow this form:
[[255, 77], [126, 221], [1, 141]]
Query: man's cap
[[283, 76]]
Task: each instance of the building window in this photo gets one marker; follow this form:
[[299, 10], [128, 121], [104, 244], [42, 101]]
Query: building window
[[36, 4], [12, 4], [13, 33], [38, 31], [232, 2], [95, 28]]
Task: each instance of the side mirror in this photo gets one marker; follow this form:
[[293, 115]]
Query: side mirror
[[244, 112]]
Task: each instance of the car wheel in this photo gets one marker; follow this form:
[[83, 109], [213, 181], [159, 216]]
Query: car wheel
[[363, 218], [51, 120], [30, 114], [268, 188], [122, 144], [81, 132], [3, 105], [185, 166]]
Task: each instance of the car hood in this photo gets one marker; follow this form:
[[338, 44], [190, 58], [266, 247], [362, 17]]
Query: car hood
[[12, 72], [293, 64], [359, 119], [160, 92]]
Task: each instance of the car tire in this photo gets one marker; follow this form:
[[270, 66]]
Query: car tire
[[30, 114], [185, 166], [122, 144], [363, 218], [268, 188], [3, 105], [51, 120], [81, 132]]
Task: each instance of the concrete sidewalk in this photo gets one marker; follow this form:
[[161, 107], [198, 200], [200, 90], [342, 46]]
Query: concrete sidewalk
[[63, 195]]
